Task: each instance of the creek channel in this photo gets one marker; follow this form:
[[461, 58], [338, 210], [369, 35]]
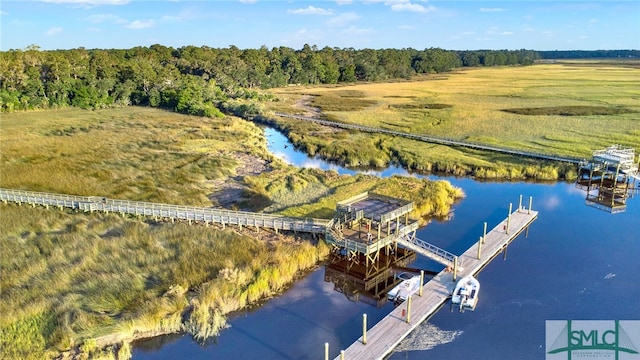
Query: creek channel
[[577, 262]]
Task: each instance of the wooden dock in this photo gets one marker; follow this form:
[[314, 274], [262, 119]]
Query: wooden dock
[[382, 338]]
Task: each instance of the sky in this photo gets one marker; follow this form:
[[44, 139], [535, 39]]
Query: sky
[[359, 24]]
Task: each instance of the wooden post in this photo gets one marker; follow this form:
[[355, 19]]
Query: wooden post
[[484, 233], [379, 226], [341, 354], [364, 329], [520, 203], [409, 310], [509, 217], [530, 201], [326, 351], [421, 282], [455, 268], [479, 248]]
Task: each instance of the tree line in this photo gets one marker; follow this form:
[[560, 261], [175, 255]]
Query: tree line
[[589, 54], [209, 81]]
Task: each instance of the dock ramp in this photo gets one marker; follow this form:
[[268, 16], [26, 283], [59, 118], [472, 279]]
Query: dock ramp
[[426, 249]]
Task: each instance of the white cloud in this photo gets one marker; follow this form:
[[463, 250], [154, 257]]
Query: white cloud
[[406, 27], [492, 9], [408, 6], [528, 29], [404, 5], [88, 2], [53, 31], [342, 19], [141, 24], [343, 2], [3, 13], [354, 30], [248, 1], [100, 18], [310, 10]]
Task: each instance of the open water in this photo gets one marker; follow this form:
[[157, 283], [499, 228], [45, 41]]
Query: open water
[[577, 262]]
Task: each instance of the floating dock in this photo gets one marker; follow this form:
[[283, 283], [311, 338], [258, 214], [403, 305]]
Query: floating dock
[[381, 339]]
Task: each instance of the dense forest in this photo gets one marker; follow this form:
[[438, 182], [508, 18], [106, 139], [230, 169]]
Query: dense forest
[[208, 81]]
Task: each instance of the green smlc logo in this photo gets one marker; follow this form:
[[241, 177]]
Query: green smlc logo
[[570, 340]]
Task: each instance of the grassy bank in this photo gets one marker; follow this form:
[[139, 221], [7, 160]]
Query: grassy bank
[[88, 284], [566, 109], [92, 280]]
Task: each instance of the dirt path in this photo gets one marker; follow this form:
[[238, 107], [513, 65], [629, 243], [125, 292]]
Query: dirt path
[[227, 192], [304, 104]]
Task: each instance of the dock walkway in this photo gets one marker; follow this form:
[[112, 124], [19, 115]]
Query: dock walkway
[[382, 338], [191, 214]]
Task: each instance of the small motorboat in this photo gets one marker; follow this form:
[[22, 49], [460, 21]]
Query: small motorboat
[[465, 294], [409, 285]]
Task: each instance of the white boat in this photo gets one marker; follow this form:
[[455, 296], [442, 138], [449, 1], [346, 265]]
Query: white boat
[[409, 285], [465, 294]]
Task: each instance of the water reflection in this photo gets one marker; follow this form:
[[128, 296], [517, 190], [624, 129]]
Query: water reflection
[[360, 280]]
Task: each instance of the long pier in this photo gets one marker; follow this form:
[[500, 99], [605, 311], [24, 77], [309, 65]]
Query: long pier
[[190, 214], [435, 140], [383, 337]]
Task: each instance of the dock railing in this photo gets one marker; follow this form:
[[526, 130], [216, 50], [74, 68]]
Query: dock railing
[[174, 212]]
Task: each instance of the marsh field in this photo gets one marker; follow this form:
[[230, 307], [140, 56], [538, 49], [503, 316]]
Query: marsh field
[[567, 108], [87, 284]]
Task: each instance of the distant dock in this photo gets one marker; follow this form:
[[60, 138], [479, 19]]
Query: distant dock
[[381, 339]]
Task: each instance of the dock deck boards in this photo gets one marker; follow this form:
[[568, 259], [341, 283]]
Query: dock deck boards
[[388, 332]]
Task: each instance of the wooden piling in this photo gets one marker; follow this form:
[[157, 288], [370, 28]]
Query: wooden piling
[[479, 248], [409, 310], [520, 203], [509, 218], [455, 268], [421, 282], [530, 202], [484, 232], [364, 329], [326, 351]]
